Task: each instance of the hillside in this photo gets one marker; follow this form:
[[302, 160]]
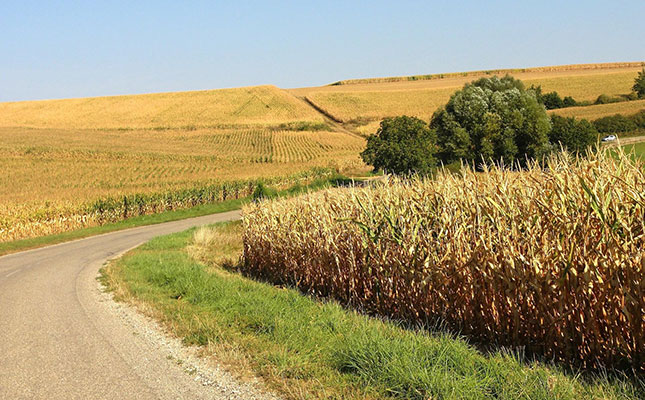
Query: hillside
[[261, 105], [363, 103], [60, 155]]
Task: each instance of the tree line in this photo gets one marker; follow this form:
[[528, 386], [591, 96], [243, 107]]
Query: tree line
[[488, 120]]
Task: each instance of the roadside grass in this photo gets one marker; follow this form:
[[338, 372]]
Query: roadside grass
[[168, 216], [306, 348], [638, 149]]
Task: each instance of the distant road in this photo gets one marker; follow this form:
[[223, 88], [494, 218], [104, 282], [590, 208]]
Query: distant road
[[631, 140], [58, 341]]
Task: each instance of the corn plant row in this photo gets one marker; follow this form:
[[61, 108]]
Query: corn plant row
[[550, 259], [56, 219]]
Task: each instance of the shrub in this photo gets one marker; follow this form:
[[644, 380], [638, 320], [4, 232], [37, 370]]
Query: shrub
[[401, 145], [551, 258], [492, 119], [552, 100], [606, 99], [639, 119], [569, 101], [639, 84], [615, 124], [263, 192], [576, 136]]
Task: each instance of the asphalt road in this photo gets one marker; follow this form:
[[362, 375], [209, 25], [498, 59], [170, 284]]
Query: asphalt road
[[59, 341]]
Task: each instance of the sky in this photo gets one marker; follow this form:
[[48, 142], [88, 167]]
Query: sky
[[61, 49]]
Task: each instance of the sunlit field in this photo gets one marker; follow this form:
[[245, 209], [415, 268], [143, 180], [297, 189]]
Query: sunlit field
[[365, 102]]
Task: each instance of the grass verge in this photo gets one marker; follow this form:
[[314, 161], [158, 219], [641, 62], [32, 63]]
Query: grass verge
[[197, 211], [308, 349]]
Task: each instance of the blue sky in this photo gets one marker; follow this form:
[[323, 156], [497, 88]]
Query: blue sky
[[59, 49]]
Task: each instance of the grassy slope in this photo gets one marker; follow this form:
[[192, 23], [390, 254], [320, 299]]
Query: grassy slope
[[638, 149], [310, 349]]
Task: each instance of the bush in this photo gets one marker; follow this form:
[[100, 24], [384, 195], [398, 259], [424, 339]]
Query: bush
[[639, 84], [492, 119], [576, 136], [606, 99], [402, 145], [552, 100], [569, 102], [263, 192], [639, 119], [615, 124]]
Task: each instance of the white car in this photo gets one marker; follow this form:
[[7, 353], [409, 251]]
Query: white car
[[609, 138]]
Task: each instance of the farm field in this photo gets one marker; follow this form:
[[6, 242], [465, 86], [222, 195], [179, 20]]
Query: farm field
[[601, 110], [304, 348], [60, 155], [54, 173], [461, 249], [260, 105], [66, 165], [363, 102]]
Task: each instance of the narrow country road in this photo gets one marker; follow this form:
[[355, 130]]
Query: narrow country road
[[58, 338]]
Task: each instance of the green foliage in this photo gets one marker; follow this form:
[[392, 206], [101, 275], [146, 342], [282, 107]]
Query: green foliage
[[639, 84], [606, 99], [576, 136], [552, 100], [615, 124], [263, 191], [401, 145], [492, 119], [569, 101]]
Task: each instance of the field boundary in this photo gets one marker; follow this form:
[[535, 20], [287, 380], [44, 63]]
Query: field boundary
[[555, 68]]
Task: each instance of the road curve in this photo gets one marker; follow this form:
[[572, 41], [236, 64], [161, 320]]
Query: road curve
[[58, 341]]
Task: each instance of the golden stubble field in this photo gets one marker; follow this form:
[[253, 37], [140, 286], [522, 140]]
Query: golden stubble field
[[259, 106], [363, 103]]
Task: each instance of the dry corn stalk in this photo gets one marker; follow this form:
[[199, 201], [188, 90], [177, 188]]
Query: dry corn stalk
[[551, 258]]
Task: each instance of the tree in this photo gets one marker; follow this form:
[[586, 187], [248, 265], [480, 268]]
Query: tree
[[552, 100], [615, 124], [573, 135], [401, 145], [639, 84], [569, 101], [492, 119]]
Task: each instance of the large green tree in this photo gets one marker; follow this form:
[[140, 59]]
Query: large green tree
[[401, 145], [492, 119], [639, 84]]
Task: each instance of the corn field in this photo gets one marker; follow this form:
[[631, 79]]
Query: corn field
[[550, 259], [21, 223]]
